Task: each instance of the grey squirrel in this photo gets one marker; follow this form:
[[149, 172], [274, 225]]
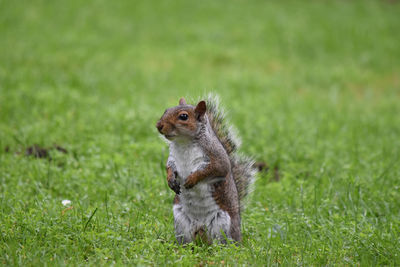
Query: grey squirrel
[[205, 171]]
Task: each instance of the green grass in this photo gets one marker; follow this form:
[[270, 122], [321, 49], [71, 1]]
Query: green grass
[[312, 86]]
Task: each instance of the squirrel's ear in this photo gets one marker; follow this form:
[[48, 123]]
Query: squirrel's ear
[[182, 101], [200, 109]]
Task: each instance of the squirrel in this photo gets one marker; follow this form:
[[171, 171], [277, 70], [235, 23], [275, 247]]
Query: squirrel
[[209, 178]]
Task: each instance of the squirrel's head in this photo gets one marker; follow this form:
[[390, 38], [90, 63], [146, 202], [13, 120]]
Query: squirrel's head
[[182, 121]]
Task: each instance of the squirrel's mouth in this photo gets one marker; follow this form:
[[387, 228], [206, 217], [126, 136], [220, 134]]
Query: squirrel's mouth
[[169, 136]]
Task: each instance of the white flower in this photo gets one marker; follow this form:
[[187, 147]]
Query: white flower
[[66, 202]]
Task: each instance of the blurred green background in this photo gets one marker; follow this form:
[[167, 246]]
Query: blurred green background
[[312, 86]]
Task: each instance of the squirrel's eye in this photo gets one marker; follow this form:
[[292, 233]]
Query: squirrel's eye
[[183, 117]]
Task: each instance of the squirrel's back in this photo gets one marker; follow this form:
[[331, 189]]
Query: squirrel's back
[[243, 170]]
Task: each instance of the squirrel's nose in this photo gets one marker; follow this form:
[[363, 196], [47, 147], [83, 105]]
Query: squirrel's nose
[[159, 126]]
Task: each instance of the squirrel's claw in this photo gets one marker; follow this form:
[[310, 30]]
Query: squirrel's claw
[[188, 184], [190, 181], [174, 185]]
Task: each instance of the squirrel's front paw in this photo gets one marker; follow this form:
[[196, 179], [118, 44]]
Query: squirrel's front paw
[[190, 182], [172, 182], [174, 185]]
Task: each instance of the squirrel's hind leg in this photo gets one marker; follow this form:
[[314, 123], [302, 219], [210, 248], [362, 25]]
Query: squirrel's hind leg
[[182, 223], [219, 227]]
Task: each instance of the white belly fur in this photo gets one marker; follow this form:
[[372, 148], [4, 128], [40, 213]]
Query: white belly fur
[[197, 207]]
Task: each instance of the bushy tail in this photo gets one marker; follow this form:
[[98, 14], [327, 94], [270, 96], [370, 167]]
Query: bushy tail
[[244, 173], [242, 167]]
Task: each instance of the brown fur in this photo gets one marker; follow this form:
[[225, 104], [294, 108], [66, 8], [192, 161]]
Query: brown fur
[[225, 192]]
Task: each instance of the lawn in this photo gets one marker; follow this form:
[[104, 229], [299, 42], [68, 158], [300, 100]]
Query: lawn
[[313, 88]]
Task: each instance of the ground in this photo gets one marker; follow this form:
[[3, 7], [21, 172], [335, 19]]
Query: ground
[[313, 88]]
